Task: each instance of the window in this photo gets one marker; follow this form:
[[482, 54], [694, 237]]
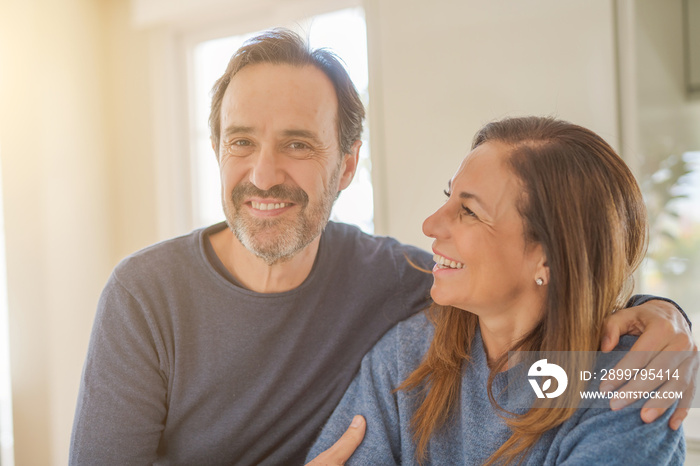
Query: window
[[671, 185], [666, 151], [343, 32]]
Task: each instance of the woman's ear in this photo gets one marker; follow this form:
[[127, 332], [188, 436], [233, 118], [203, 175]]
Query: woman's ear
[[542, 267]]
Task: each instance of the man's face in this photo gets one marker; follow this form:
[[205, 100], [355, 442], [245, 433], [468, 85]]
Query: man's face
[[281, 167]]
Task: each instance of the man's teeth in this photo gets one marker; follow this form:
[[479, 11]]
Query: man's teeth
[[444, 263], [268, 206]]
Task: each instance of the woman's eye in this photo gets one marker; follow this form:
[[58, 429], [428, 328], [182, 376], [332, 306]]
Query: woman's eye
[[446, 192], [469, 212]]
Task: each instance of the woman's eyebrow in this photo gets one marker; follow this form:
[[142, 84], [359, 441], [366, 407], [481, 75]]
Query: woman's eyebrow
[[465, 194]]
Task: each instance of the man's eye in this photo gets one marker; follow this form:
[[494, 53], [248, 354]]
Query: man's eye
[[298, 146], [239, 147]]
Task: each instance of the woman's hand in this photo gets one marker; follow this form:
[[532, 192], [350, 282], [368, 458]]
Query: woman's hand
[[665, 342], [346, 445]]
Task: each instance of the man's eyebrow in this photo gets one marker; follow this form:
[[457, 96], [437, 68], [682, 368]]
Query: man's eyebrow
[[237, 129], [300, 133]]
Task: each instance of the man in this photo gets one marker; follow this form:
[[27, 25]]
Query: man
[[233, 344]]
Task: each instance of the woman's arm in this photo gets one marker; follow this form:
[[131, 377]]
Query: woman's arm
[[370, 395]]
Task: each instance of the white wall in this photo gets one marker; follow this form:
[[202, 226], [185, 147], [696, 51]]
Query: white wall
[[57, 215], [447, 67], [130, 130], [77, 186]]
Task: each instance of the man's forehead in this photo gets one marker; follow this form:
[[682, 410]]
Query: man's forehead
[[274, 76], [279, 84], [282, 96]]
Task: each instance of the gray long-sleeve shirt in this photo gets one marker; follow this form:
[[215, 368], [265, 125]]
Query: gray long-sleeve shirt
[[186, 367]]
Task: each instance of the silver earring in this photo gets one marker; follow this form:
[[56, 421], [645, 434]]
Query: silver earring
[[539, 282]]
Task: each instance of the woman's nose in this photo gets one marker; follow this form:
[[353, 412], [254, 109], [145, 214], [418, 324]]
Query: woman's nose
[[433, 226]]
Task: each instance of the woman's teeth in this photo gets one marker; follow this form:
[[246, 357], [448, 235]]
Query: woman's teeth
[[444, 263]]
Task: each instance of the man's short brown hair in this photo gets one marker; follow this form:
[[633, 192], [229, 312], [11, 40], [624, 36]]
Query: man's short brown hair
[[282, 46]]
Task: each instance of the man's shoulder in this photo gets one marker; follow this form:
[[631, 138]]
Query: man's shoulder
[[164, 256], [376, 266], [352, 241]]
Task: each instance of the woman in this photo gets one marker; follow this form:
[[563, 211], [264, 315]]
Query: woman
[[536, 244]]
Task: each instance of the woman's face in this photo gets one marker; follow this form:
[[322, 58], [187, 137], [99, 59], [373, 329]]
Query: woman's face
[[482, 261]]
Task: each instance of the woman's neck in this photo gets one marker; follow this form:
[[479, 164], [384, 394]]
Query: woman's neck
[[500, 330]]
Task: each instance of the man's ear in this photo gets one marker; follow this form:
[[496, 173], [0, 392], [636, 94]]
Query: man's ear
[[349, 165]]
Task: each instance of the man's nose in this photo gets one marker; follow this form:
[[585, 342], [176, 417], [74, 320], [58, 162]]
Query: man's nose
[[266, 171]]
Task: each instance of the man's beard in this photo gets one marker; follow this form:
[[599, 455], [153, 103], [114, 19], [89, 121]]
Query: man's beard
[[279, 239]]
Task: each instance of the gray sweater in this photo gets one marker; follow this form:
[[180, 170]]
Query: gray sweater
[[187, 367], [594, 435]]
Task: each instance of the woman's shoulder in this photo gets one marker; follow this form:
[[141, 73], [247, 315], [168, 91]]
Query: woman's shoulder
[[621, 436], [404, 345], [626, 342], [417, 328], [413, 335]]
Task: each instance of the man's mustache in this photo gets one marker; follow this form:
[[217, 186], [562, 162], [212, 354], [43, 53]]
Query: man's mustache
[[246, 190]]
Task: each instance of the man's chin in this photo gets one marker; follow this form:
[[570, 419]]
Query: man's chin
[[256, 228], [273, 241], [268, 236], [271, 252], [265, 243]]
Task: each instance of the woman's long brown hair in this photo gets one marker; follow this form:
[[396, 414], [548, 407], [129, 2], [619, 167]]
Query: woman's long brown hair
[[582, 204]]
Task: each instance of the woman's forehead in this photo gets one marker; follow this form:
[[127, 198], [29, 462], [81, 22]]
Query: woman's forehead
[[488, 159]]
